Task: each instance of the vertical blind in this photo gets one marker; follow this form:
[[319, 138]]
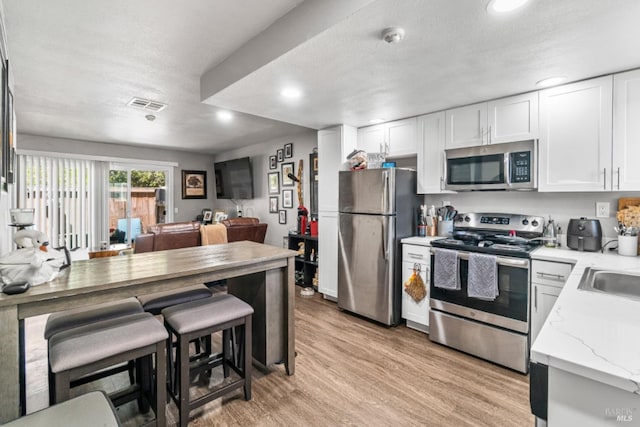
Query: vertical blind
[[60, 191]]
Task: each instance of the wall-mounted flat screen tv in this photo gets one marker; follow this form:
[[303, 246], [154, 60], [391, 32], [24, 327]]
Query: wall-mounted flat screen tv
[[234, 179]]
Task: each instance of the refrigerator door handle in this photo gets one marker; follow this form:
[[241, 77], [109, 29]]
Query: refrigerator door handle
[[385, 236], [385, 191]]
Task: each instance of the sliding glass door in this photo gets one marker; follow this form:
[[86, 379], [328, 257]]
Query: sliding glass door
[[138, 198]]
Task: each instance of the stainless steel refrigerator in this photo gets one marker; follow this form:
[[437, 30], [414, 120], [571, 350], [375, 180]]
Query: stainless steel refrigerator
[[377, 208]]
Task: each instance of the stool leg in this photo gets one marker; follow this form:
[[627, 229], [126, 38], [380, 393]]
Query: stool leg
[[61, 384], [143, 377], [225, 352], [161, 384], [183, 379], [247, 358]]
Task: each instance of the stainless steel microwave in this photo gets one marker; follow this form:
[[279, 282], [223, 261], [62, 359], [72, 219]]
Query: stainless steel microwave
[[507, 166]]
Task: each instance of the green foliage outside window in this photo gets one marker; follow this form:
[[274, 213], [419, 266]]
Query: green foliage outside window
[[138, 178]]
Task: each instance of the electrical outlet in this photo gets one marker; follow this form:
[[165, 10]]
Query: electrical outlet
[[175, 210], [602, 210], [446, 203]]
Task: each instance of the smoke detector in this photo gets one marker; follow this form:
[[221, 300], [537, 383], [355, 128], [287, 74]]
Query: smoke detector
[[150, 117], [393, 34]]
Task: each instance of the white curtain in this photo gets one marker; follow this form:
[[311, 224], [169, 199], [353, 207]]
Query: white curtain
[[67, 198]]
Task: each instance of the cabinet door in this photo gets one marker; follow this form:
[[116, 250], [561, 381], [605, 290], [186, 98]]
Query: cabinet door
[[328, 254], [332, 144], [372, 138], [514, 118], [401, 138], [626, 131], [417, 312], [466, 126], [575, 136], [431, 153], [544, 297]]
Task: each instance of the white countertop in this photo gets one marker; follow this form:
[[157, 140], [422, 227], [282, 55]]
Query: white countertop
[[423, 241], [592, 334]]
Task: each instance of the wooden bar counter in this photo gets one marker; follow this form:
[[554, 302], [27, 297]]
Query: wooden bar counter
[[107, 279]]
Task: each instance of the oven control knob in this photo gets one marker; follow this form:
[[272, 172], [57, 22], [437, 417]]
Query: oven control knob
[[467, 219], [525, 221], [534, 223]]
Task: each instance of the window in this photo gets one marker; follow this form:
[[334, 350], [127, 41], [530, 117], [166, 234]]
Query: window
[[60, 191], [137, 199]]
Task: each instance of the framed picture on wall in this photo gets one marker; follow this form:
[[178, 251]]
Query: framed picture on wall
[[288, 150], [273, 182], [273, 204], [194, 184], [273, 162], [282, 217], [287, 168], [280, 154], [287, 198]]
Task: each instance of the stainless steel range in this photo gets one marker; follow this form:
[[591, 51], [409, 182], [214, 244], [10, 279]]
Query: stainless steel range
[[494, 327]]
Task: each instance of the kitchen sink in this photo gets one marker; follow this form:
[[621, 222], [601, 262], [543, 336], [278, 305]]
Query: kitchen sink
[[611, 282]]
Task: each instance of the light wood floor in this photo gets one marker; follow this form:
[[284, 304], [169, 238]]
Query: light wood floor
[[350, 371]]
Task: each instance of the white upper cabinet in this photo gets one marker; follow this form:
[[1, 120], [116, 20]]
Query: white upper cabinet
[[626, 131], [397, 139], [372, 138], [504, 120], [575, 136], [466, 126], [431, 153], [514, 118]]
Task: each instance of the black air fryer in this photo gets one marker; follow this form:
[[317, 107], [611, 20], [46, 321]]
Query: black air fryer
[[584, 235]]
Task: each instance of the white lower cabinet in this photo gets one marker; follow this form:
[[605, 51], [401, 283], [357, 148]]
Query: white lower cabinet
[[547, 280], [416, 313], [328, 254]]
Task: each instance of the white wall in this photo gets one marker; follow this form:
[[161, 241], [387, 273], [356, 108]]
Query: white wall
[[187, 209], [561, 206], [303, 145]]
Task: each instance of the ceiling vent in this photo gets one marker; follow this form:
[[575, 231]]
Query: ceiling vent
[[147, 105]]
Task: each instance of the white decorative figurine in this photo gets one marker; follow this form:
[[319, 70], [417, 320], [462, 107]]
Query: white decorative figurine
[[33, 262]]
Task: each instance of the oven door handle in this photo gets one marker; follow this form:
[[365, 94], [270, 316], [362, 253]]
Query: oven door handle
[[507, 262]]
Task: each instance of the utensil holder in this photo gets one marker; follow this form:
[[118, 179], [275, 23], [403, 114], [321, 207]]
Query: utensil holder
[[628, 245], [445, 228]]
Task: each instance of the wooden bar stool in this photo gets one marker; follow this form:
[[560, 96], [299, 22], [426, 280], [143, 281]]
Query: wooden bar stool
[[69, 319], [91, 409], [202, 318], [80, 351]]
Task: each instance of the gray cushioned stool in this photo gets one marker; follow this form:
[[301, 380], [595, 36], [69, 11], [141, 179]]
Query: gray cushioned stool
[[202, 318], [91, 409], [156, 302], [79, 351], [68, 319]]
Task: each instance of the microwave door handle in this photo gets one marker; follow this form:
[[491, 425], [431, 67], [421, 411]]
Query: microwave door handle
[[507, 169]]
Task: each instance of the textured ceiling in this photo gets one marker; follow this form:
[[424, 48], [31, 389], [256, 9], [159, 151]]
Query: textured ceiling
[[77, 62]]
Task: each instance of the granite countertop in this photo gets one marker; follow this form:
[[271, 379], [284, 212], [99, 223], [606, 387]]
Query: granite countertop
[[592, 334]]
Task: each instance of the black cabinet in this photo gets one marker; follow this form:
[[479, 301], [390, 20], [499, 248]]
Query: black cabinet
[[307, 259]]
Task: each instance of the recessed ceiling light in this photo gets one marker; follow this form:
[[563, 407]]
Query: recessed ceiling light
[[291, 92], [551, 81], [224, 116], [505, 6], [376, 121]]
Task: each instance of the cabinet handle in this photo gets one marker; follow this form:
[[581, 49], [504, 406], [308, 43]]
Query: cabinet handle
[[481, 135], [413, 255], [535, 298], [553, 276], [441, 183], [489, 135], [618, 177], [605, 178]]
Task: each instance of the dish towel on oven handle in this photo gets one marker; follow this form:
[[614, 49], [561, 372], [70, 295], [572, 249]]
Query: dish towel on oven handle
[[445, 270], [482, 278]]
